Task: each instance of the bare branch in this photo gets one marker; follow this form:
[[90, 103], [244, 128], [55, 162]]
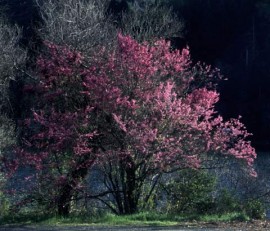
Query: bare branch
[[81, 25], [151, 20], [12, 58]]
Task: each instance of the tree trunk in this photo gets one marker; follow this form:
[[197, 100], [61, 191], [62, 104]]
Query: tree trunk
[[65, 199], [131, 203], [66, 193]]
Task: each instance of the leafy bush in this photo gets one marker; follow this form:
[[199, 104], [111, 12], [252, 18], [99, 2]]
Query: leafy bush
[[226, 202], [190, 191], [255, 209]]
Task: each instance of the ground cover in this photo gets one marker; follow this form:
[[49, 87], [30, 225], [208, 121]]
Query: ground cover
[[143, 218]]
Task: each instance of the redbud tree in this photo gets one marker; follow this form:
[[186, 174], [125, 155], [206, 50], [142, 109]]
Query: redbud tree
[[133, 113]]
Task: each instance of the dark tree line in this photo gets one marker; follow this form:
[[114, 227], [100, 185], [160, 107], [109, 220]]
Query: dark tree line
[[234, 36]]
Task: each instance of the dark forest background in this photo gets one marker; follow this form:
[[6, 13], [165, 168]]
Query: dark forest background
[[233, 35]]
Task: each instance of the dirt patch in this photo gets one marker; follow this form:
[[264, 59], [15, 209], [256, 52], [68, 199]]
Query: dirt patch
[[254, 225]]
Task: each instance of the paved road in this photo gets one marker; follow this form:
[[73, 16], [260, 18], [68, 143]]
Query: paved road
[[96, 228]]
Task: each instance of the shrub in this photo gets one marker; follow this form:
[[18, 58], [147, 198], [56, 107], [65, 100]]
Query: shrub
[[190, 191], [255, 209], [226, 202]]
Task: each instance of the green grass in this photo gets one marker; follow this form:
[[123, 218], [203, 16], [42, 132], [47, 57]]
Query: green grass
[[143, 218], [234, 216]]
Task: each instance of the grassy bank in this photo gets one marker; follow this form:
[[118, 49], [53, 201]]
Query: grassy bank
[[143, 218]]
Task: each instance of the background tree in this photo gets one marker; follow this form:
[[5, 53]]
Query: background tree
[[11, 61], [86, 24], [150, 21], [81, 25]]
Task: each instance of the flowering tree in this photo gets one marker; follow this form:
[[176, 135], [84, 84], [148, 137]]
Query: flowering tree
[[134, 113]]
